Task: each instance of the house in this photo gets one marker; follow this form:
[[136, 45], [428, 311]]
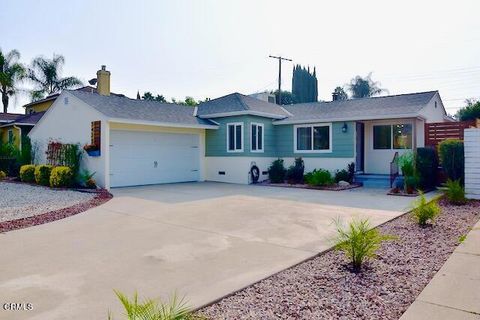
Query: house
[[147, 142], [13, 131]]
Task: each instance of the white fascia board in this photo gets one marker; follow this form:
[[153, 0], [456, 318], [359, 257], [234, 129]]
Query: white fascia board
[[398, 116], [242, 113], [163, 124]]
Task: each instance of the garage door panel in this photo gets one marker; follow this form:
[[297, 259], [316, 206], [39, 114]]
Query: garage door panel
[[138, 158]]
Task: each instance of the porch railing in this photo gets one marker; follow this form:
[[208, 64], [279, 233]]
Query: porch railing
[[394, 169]]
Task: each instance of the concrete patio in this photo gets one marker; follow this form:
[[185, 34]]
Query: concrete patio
[[202, 240]]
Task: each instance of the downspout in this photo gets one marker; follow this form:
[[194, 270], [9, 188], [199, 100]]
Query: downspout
[[20, 135]]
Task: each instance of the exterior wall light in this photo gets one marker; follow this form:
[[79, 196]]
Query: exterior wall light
[[344, 127]]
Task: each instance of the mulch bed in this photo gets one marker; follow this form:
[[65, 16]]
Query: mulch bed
[[324, 288], [403, 193], [101, 197], [333, 187]]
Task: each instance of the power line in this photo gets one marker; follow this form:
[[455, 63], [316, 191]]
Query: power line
[[279, 101]]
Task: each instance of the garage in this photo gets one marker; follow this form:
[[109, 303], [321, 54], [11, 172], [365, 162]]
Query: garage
[[142, 158]]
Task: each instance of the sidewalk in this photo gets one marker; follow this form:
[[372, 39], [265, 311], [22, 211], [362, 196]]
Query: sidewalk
[[454, 292]]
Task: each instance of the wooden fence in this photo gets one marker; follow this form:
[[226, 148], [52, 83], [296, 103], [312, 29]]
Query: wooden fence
[[438, 131]]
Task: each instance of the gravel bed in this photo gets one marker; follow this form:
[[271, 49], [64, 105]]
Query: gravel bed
[[19, 200], [324, 288]]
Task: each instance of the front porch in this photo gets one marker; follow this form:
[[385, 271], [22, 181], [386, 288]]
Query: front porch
[[378, 141]]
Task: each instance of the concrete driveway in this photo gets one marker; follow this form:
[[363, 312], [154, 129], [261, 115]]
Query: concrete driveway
[[202, 240]]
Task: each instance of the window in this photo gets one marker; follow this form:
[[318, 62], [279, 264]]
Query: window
[[10, 136], [402, 136], [256, 137], [398, 136], [313, 138], [235, 137], [382, 137]]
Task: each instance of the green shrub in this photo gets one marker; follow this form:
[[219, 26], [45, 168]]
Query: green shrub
[[351, 171], [411, 182], [277, 171], [295, 172], [86, 179], [452, 158], [424, 212], [426, 164], [148, 309], [27, 173], [359, 241], [61, 177], [42, 174], [320, 177], [342, 175], [3, 175], [454, 192], [406, 163]]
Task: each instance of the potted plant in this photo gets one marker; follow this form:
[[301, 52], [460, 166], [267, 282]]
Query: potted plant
[[92, 150]]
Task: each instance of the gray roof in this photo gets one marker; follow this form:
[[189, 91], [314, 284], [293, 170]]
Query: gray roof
[[358, 109], [239, 103], [141, 110]]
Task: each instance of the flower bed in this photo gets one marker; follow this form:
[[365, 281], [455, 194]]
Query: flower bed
[[323, 288], [333, 187]]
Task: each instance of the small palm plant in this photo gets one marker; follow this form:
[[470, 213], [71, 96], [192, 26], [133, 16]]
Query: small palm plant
[[359, 241], [425, 212], [148, 309]]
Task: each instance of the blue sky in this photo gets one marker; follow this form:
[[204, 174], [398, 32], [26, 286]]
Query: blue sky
[[211, 48]]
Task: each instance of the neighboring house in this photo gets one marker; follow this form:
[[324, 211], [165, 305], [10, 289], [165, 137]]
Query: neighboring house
[[147, 142], [5, 135], [12, 132]]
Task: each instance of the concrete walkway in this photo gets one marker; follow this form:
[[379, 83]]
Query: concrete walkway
[[203, 240], [454, 292]]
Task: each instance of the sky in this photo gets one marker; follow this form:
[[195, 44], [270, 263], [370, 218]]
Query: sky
[[211, 48]]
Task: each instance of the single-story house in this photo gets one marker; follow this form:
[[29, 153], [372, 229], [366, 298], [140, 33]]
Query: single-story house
[[13, 131], [147, 142]]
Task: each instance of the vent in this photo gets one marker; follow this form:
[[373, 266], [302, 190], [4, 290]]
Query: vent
[[222, 173], [264, 173]]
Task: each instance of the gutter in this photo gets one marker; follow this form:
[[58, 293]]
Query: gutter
[[321, 120], [163, 124]]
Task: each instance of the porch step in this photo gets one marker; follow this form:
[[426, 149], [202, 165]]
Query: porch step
[[373, 180]]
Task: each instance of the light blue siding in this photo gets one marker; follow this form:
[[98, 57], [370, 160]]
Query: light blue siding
[[216, 140], [342, 142], [278, 140]]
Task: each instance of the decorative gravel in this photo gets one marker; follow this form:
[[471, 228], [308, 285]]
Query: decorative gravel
[[19, 200], [324, 288]]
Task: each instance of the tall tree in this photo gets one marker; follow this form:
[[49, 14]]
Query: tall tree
[[470, 112], [150, 97], [304, 84], [364, 87], [287, 97], [46, 76], [11, 73], [341, 94]]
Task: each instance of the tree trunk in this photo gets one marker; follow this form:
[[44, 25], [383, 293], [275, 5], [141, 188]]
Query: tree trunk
[[5, 102]]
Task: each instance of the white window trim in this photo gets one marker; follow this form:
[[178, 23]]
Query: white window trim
[[329, 125], [391, 136], [228, 136], [263, 137]]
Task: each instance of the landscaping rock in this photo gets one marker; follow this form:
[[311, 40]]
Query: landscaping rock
[[324, 288], [342, 183]]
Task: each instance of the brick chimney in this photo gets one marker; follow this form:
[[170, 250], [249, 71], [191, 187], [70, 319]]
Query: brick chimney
[[103, 81]]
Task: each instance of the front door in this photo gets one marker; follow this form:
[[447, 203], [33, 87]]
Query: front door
[[360, 146]]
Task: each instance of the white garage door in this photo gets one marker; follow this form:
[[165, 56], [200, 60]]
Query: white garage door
[[140, 158]]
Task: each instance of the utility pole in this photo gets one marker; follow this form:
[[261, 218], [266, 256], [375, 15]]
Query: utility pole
[[279, 101]]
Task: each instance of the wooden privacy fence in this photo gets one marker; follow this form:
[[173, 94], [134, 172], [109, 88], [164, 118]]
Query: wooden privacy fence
[[438, 131]]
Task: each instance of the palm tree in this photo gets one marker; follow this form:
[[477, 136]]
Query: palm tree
[[364, 87], [45, 74], [11, 73]]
